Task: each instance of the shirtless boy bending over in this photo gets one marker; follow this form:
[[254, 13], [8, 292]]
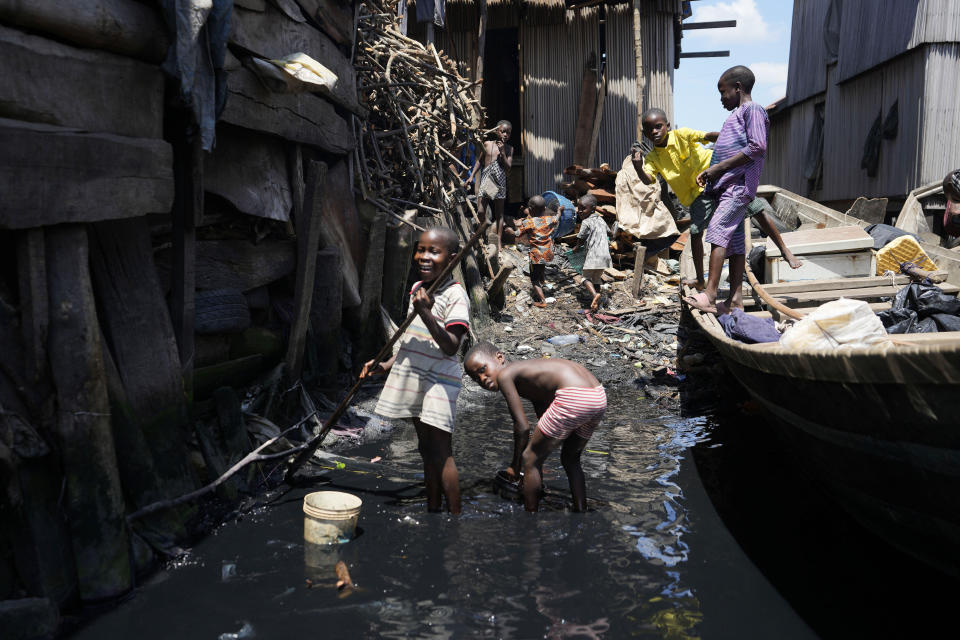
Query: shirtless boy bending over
[[569, 402]]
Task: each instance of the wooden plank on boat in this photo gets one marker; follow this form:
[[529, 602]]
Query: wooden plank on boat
[[815, 241], [864, 293], [943, 337], [874, 306], [828, 285], [790, 207], [116, 94]]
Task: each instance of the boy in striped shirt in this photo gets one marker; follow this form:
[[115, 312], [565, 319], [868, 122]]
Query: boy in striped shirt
[[569, 402]]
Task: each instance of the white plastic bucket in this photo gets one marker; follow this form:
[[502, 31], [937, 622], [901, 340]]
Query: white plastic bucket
[[330, 517]]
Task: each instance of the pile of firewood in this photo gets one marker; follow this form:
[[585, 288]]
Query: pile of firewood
[[598, 182], [422, 113]]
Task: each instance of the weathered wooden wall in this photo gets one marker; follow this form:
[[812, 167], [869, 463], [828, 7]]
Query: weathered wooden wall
[[119, 225]]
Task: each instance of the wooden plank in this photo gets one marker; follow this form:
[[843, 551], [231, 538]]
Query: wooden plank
[[640, 258], [326, 314], [45, 81], [870, 210], [300, 117], [188, 208], [120, 26], [828, 285], [790, 207], [93, 499], [341, 228], [865, 293], [34, 317], [139, 334], [250, 171], [52, 175], [334, 17], [234, 264], [308, 240], [371, 288], [815, 241], [585, 117], [273, 35], [874, 306]]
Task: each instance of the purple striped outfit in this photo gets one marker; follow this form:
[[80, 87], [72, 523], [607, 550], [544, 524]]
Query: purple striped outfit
[[744, 131]]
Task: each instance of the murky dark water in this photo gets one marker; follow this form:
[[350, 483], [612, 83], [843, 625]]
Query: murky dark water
[[654, 560]]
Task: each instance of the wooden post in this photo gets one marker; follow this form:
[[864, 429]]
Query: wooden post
[[638, 262], [92, 499], [481, 45], [326, 314], [308, 240], [638, 65], [187, 209], [371, 290]]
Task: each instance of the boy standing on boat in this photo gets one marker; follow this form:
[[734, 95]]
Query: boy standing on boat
[[679, 156], [732, 180]]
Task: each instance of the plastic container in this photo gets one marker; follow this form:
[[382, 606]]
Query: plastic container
[[903, 249], [330, 517], [559, 341]]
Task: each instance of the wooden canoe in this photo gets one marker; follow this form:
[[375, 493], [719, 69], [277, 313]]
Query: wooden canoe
[[878, 427]]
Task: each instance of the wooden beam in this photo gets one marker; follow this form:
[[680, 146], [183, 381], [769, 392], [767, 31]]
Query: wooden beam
[[120, 26], [46, 81], [716, 24], [299, 117], [51, 175], [34, 317], [481, 45], [308, 240], [705, 54], [188, 208], [93, 499], [250, 171]]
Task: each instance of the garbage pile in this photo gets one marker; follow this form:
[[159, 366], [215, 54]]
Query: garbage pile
[[627, 341]]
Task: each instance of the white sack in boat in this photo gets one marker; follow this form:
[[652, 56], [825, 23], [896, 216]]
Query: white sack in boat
[[838, 323]]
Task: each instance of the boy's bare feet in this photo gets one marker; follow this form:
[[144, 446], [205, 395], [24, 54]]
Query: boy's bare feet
[[699, 285], [595, 303], [701, 302], [791, 259], [540, 305]]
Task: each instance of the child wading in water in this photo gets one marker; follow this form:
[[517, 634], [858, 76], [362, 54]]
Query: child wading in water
[[494, 165], [678, 156], [595, 234], [569, 402], [538, 226], [732, 180], [425, 375]]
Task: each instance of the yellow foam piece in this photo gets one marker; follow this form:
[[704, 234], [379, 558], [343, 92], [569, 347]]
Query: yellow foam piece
[[903, 249]]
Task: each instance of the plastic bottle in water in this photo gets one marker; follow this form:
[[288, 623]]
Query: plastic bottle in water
[[569, 338]]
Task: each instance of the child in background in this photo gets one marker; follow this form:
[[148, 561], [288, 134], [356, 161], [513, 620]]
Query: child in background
[[678, 156], [425, 375], [732, 180], [569, 403], [494, 164], [951, 213], [595, 234], [538, 228]]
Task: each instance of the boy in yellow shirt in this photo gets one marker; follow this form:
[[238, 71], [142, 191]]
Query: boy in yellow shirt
[[679, 156]]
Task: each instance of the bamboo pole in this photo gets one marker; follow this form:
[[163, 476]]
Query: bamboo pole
[[307, 452]]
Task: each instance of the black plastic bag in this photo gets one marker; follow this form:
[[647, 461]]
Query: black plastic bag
[[898, 320]]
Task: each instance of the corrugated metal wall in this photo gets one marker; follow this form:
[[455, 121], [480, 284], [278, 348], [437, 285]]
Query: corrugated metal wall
[[787, 145], [807, 73], [937, 21], [554, 58], [940, 145], [618, 128], [873, 31], [658, 57]]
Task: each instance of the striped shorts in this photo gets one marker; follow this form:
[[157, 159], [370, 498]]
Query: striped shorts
[[574, 409]]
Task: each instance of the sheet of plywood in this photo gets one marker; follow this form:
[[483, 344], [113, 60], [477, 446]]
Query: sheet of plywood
[[823, 266], [813, 241]]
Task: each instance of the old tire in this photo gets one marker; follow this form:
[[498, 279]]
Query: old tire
[[221, 311]]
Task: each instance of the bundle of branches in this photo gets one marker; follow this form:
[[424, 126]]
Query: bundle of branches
[[421, 116]]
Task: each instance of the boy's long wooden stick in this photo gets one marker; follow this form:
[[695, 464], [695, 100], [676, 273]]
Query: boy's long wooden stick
[[317, 440]]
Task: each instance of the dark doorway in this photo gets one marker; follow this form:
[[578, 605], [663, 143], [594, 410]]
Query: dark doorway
[[501, 86]]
